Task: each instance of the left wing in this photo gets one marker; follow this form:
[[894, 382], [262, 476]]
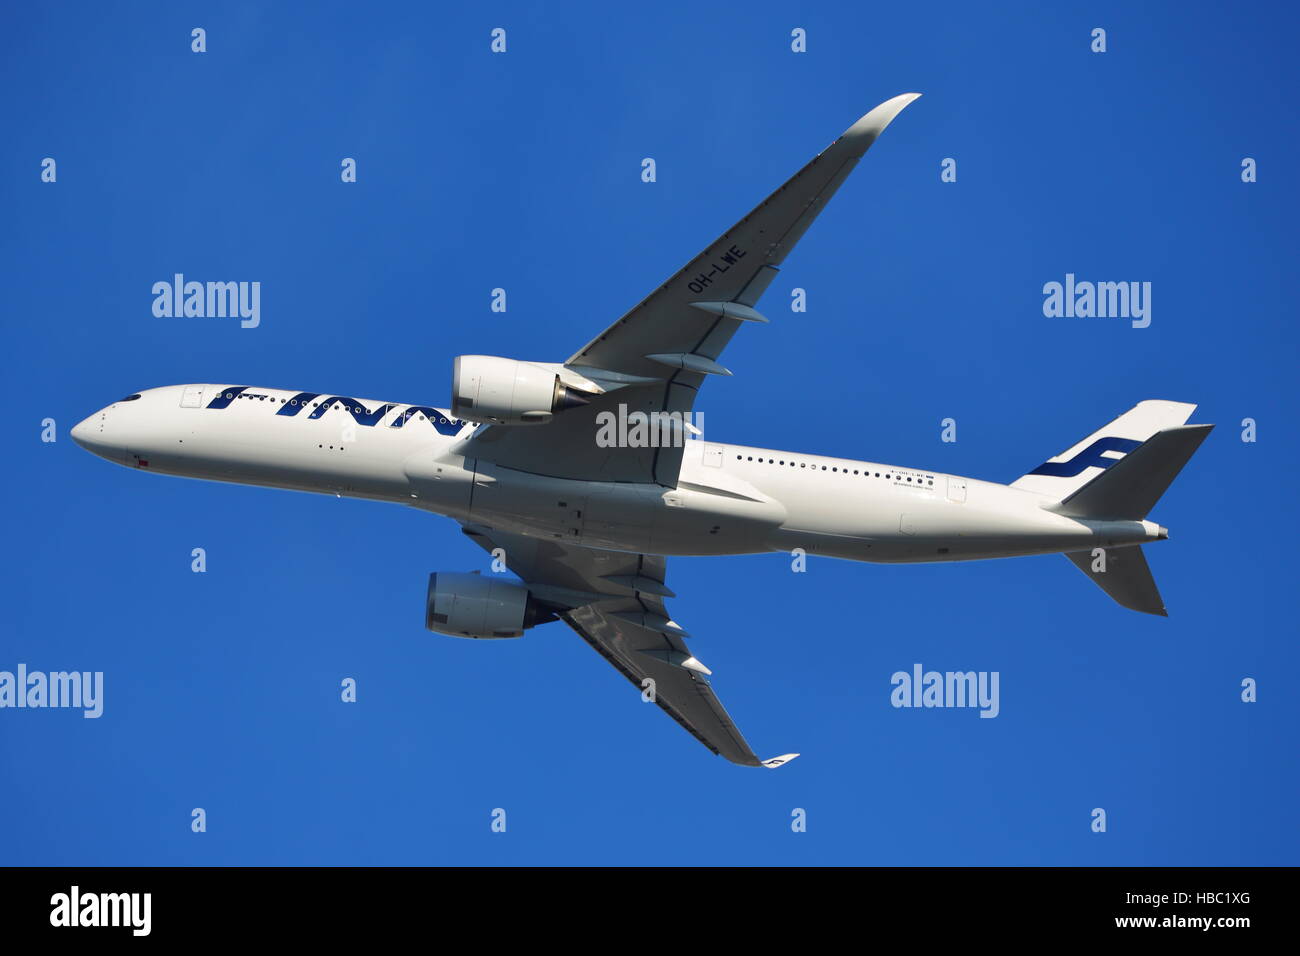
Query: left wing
[[655, 358], [615, 601]]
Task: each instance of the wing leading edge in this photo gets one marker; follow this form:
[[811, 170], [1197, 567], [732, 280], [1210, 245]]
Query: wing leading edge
[[615, 602], [685, 315]]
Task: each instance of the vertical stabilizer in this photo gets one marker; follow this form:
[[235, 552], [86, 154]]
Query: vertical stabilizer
[[1073, 468]]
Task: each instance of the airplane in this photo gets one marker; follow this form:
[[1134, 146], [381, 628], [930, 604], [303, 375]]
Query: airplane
[[586, 525]]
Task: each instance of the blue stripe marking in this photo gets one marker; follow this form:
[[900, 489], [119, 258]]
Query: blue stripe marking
[[227, 396], [360, 414], [444, 425], [1090, 457], [297, 403]]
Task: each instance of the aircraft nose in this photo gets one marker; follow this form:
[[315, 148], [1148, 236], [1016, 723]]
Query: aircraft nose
[[81, 432], [94, 435]]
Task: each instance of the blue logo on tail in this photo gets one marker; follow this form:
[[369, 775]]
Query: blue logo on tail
[[1090, 457]]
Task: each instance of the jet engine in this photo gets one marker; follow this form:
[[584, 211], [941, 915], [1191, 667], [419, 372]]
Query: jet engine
[[501, 391], [471, 605]]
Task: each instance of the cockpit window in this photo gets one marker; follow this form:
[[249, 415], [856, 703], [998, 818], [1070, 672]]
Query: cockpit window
[[129, 398]]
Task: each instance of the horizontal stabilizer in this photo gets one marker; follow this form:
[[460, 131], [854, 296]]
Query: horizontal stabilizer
[[1130, 488], [1127, 578]]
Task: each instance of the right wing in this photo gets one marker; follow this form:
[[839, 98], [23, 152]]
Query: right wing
[[615, 601], [663, 349]]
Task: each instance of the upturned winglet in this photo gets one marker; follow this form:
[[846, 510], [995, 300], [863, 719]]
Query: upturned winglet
[[775, 762], [865, 131]]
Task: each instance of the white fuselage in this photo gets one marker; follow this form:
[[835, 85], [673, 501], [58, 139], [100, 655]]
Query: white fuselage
[[730, 499]]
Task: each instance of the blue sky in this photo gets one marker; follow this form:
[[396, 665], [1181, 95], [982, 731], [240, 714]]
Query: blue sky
[[522, 170]]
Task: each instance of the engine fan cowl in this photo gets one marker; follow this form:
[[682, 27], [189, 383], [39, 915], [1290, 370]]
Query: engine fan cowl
[[501, 391], [480, 607]]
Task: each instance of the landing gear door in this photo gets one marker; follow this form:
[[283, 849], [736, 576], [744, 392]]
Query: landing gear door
[[192, 397]]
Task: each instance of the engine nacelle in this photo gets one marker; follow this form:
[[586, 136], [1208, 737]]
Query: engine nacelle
[[478, 606], [501, 391]]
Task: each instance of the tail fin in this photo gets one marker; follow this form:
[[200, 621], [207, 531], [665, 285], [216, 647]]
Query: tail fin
[[1062, 476], [1123, 488], [1123, 574], [1128, 491]]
